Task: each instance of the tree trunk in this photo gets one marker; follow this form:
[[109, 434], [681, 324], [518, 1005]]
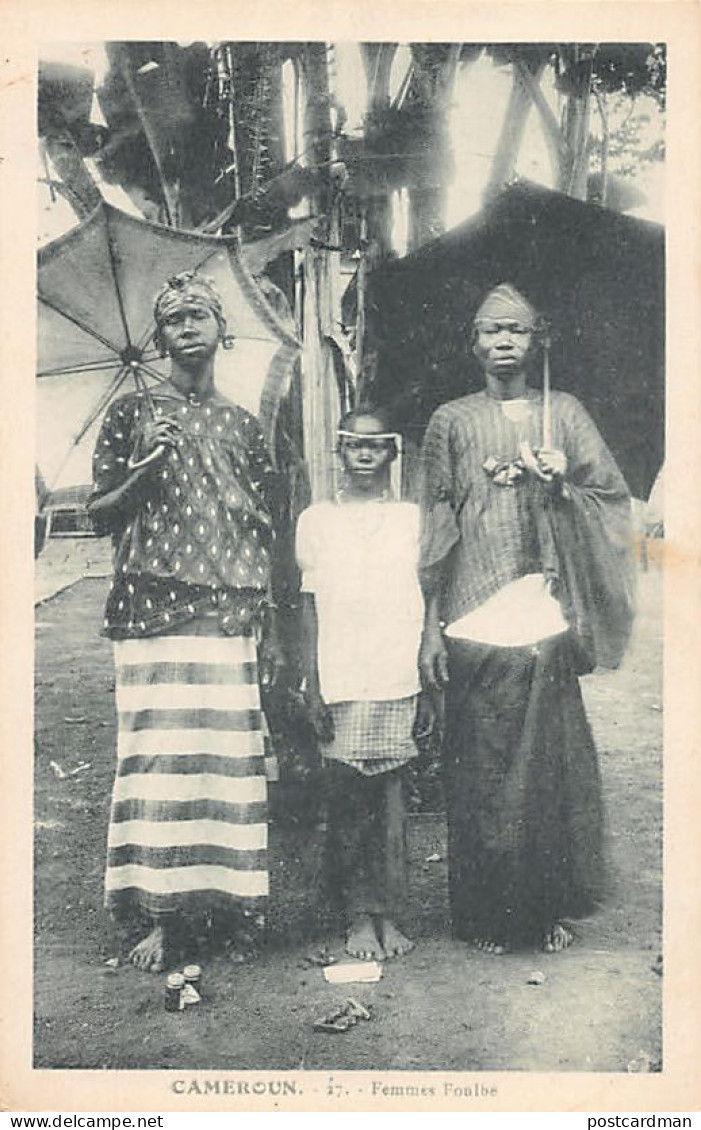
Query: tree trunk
[[511, 136], [426, 215], [578, 146], [429, 94], [557, 150], [605, 142], [377, 61], [321, 304], [576, 130]]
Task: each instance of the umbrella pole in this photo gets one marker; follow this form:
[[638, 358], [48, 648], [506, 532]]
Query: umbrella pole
[[142, 387], [102, 405], [547, 405]]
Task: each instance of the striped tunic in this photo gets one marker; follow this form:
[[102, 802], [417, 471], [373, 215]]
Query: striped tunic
[[478, 536], [188, 824]]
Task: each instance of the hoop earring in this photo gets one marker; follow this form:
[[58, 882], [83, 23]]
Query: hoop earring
[[227, 342]]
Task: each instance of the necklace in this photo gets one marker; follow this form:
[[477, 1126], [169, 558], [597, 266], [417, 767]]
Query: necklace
[[366, 519], [192, 396], [343, 496]]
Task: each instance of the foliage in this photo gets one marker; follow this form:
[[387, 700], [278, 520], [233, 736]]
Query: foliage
[[628, 68], [632, 142], [621, 72], [189, 129], [194, 131], [632, 69]]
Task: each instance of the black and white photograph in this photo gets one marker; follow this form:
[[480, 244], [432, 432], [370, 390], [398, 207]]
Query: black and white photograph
[[350, 428]]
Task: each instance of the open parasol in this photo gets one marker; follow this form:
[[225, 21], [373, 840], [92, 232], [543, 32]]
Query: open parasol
[[95, 287], [596, 275]]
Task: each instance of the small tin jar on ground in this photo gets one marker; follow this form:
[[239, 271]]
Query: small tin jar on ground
[[174, 989], [193, 976]]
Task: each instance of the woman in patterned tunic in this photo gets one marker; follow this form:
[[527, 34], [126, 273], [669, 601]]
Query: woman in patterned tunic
[[183, 483]]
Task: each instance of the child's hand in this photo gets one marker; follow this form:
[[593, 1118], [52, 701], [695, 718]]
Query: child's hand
[[433, 660], [424, 720], [321, 718]]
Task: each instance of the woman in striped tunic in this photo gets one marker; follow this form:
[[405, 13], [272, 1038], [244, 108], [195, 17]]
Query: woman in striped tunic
[[526, 571], [183, 483]]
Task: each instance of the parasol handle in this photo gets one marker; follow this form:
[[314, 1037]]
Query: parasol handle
[[547, 400], [136, 464]]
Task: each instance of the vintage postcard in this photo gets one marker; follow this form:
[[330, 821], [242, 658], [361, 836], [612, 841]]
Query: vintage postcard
[[350, 696]]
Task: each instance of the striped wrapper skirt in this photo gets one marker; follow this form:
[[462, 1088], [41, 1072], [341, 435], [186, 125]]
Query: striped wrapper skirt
[[188, 824]]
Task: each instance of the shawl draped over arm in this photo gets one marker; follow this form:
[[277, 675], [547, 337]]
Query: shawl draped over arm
[[586, 536]]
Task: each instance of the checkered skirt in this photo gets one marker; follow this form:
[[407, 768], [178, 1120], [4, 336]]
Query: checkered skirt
[[372, 736]]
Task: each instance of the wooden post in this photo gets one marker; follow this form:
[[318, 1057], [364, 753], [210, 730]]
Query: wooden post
[[320, 400], [361, 283], [547, 400]]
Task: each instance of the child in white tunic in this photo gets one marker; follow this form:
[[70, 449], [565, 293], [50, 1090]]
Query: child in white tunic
[[363, 612]]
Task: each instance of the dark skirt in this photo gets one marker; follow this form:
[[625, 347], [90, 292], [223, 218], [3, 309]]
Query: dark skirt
[[525, 823]]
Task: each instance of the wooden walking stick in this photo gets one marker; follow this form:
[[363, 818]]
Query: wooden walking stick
[[547, 400]]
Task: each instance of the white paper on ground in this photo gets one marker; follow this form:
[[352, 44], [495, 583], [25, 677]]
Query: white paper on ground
[[189, 995], [347, 972]]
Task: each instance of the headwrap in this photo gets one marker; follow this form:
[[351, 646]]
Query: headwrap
[[505, 303], [188, 286]]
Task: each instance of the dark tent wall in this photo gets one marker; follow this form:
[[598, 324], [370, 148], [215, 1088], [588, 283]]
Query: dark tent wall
[[598, 276]]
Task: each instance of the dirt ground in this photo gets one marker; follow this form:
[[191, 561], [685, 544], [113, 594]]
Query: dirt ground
[[445, 1006]]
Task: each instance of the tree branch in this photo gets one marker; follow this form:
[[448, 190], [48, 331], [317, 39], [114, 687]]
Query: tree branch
[[449, 74], [603, 114], [557, 146]]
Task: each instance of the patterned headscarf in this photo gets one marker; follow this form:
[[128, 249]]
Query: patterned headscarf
[[188, 286], [505, 303]]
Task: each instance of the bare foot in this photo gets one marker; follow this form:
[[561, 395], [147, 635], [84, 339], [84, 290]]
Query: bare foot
[[488, 945], [362, 940], [150, 953], [558, 938], [394, 942], [241, 947], [239, 933], [322, 955]]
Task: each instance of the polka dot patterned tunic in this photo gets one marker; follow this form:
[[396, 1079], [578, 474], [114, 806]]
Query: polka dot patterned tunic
[[197, 536]]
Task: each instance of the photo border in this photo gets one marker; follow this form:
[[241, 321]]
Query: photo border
[[27, 25]]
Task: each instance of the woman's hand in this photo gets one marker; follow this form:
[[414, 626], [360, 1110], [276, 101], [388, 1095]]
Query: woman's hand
[[549, 465], [320, 717], [156, 440], [552, 463], [271, 657]]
